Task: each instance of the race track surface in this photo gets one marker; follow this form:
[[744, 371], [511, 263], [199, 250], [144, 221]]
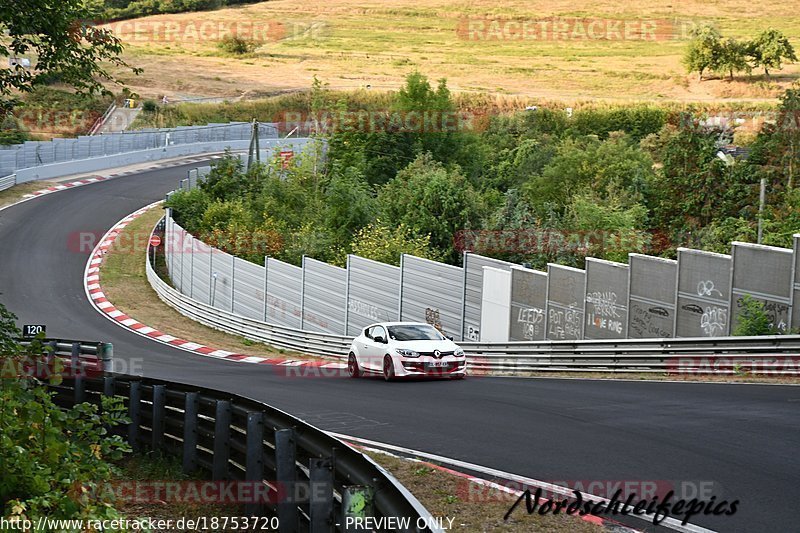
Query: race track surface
[[745, 439]]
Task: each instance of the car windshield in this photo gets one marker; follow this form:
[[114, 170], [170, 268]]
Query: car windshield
[[415, 332]]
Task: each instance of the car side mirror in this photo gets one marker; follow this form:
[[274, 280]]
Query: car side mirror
[[449, 337], [379, 339]]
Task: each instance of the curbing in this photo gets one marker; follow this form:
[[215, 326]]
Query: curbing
[[94, 292]]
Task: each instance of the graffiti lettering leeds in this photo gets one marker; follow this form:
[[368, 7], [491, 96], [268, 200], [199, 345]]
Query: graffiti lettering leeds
[[532, 320]]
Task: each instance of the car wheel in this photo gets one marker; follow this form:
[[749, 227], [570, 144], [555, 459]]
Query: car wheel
[[388, 368], [352, 366], [458, 376]]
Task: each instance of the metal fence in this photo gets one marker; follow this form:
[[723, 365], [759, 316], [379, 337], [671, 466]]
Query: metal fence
[[306, 476], [651, 297], [766, 355], [8, 182], [32, 154]]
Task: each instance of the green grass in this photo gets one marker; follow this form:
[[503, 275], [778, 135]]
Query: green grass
[[371, 42]]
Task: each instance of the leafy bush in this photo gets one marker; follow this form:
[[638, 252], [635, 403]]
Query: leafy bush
[[236, 45], [149, 106], [383, 242], [753, 319], [55, 461], [628, 171]]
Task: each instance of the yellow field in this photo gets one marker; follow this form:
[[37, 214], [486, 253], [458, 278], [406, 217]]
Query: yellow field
[[352, 44]]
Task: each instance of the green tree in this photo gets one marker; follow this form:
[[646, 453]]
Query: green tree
[[775, 154], [609, 225], [59, 42], [732, 58], [770, 49], [753, 319], [694, 187], [385, 243], [703, 51], [349, 205], [56, 462], [617, 162], [431, 200]]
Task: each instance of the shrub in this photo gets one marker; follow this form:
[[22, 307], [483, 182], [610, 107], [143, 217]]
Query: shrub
[[149, 106], [753, 319], [55, 461], [233, 44], [384, 243]]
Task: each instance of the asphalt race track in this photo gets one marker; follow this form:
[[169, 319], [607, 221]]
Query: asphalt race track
[[743, 438]]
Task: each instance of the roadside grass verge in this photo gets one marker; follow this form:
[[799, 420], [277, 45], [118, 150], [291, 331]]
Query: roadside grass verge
[[15, 193], [125, 284], [473, 508], [138, 469], [354, 43]]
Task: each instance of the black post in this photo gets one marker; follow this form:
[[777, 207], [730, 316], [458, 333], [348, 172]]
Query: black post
[[108, 385], [254, 467], [190, 410], [286, 474], [321, 492], [80, 390], [75, 359], [222, 435], [159, 399], [134, 413]]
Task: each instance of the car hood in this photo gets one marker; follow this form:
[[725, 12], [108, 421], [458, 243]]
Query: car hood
[[426, 346]]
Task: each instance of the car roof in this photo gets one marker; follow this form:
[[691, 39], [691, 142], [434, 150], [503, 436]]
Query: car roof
[[398, 324]]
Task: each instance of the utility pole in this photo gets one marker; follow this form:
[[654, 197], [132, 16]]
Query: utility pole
[[761, 199], [254, 147]]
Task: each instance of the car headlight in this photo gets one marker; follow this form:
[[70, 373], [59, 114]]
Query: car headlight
[[406, 353], [459, 352]]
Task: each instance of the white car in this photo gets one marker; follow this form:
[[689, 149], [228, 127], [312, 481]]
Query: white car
[[405, 349]]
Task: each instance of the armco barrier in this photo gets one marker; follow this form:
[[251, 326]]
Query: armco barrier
[[8, 182], [272, 334], [722, 355], [305, 473]]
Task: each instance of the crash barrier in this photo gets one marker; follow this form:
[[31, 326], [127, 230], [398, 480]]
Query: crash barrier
[[98, 124], [310, 480], [776, 354], [701, 294], [33, 160]]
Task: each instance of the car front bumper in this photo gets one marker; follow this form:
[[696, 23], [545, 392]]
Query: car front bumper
[[453, 366]]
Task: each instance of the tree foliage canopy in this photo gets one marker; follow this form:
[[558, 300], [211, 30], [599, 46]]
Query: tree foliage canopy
[[60, 42]]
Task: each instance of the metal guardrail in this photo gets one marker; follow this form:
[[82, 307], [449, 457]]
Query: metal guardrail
[[8, 181], [719, 355], [244, 440], [102, 119]]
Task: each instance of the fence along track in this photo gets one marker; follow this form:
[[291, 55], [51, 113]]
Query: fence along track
[[722, 355], [241, 439]]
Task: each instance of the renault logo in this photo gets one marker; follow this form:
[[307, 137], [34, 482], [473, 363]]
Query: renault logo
[[437, 354]]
